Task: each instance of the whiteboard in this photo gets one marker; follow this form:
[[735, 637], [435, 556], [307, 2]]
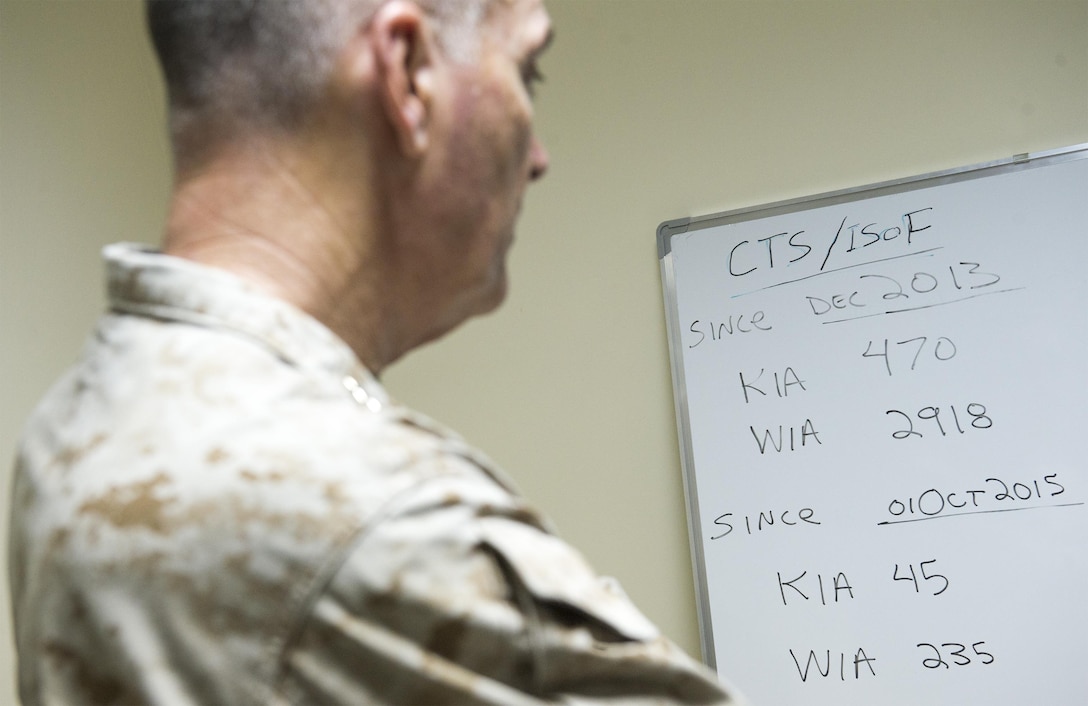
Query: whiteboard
[[881, 401]]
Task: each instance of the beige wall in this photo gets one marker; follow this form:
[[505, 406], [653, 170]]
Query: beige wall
[[652, 110]]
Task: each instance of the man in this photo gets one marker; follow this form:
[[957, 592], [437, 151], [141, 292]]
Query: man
[[219, 504]]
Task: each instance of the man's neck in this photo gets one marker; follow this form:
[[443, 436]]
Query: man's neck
[[271, 219]]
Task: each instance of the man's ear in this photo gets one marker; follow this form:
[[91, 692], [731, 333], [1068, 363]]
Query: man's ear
[[404, 54]]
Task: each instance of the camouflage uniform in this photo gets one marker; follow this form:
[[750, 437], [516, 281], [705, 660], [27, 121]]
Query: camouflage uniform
[[220, 505]]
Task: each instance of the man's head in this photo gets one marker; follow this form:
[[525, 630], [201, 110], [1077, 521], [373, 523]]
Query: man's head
[[382, 146]]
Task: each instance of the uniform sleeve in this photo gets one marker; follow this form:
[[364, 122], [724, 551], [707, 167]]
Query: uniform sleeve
[[461, 597]]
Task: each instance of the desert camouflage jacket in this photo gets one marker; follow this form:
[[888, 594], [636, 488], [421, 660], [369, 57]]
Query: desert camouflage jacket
[[219, 505]]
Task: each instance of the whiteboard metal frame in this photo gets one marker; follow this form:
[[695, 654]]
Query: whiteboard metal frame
[[668, 229]]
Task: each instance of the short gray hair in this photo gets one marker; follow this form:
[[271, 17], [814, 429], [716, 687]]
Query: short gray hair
[[262, 63]]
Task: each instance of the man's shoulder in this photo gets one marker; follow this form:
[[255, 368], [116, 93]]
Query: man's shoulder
[[204, 479], [222, 434]]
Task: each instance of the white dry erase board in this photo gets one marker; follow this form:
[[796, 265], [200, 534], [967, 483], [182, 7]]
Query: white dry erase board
[[881, 398]]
